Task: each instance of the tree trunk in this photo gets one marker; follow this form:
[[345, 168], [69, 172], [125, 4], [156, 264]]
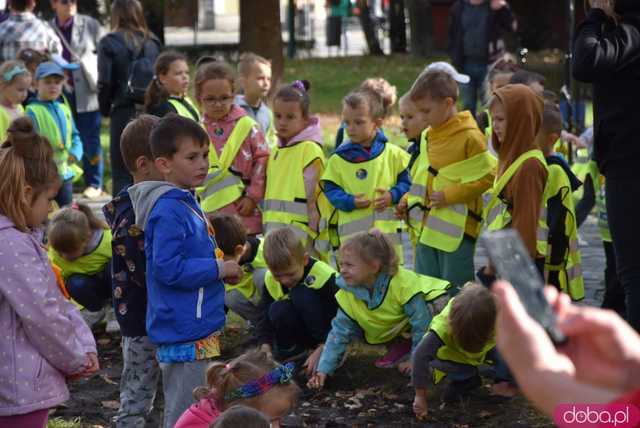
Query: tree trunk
[[367, 21], [421, 27], [261, 32], [397, 27]]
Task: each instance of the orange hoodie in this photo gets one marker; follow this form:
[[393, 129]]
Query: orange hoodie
[[524, 192]]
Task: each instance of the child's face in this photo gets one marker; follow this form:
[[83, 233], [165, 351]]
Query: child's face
[[216, 98], [499, 120], [356, 271], [176, 79], [257, 84], [412, 120], [188, 167], [16, 91], [41, 205], [288, 118], [50, 88], [360, 124], [292, 275], [435, 111]]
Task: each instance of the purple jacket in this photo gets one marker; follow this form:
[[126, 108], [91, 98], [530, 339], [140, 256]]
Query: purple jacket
[[42, 335]]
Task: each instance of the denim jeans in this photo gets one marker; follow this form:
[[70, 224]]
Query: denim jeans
[[88, 125], [91, 291], [472, 92], [65, 194]]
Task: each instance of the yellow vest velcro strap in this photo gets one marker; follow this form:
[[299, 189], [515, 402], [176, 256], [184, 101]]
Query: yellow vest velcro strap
[[298, 208], [230, 181], [444, 227]]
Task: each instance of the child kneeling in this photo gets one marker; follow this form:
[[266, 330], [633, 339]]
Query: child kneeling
[[459, 339]]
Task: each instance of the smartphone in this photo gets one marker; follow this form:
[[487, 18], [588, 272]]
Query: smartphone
[[513, 263]]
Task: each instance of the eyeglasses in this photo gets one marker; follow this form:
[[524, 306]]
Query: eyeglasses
[[222, 100]]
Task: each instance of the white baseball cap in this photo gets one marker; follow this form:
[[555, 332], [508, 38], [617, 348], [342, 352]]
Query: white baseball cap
[[449, 69]]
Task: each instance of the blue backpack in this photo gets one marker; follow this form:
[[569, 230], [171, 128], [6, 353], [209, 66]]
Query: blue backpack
[[140, 75]]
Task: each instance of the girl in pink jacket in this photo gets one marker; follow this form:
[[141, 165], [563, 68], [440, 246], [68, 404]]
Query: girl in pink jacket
[[44, 339]]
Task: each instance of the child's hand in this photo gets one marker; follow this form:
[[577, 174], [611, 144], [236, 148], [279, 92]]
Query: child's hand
[[317, 380], [246, 205], [402, 209], [90, 367], [498, 4], [405, 367], [266, 348], [232, 272], [312, 362], [437, 200], [420, 405], [361, 201], [383, 201]]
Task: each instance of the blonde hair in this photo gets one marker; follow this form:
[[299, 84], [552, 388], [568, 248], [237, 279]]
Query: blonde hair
[[224, 378], [373, 246], [386, 90], [472, 317], [248, 60], [283, 249], [71, 228], [26, 159]]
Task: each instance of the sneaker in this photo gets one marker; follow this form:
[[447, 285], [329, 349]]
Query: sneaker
[[458, 389], [112, 323], [92, 193], [395, 354]]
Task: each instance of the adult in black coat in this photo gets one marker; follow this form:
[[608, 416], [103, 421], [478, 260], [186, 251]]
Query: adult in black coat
[[607, 54], [129, 38]]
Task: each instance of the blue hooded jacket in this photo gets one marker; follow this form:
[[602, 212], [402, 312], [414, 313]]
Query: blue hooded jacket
[[185, 290]]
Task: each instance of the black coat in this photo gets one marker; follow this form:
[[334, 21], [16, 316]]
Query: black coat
[[607, 55], [500, 21]]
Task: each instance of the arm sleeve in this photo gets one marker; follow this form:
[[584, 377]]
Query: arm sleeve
[[421, 358], [76, 143], [469, 192], [260, 154], [403, 183], [343, 331], [340, 199], [419, 318], [105, 77], [170, 263]]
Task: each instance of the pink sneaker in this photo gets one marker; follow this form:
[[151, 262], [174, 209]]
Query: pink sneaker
[[397, 351]]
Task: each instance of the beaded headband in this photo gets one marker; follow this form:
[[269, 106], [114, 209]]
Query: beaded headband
[[280, 375]]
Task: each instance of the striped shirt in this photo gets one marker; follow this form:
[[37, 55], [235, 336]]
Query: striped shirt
[[25, 30]]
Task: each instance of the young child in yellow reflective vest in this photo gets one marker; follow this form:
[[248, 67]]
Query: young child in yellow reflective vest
[[451, 172], [380, 302], [366, 177], [167, 92], [80, 245], [460, 338], [15, 81]]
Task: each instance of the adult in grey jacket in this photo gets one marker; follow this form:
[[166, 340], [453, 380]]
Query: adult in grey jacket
[[80, 35]]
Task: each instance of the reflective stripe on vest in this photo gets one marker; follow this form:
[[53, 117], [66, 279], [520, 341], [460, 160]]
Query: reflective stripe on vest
[[317, 277], [297, 208], [222, 187], [180, 105]]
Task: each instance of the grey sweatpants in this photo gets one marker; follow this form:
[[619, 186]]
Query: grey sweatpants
[[178, 382], [139, 382]]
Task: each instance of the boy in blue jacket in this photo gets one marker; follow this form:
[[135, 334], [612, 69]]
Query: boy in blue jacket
[[185, 309]]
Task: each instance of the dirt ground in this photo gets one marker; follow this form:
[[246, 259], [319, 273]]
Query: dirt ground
[[361, 395]]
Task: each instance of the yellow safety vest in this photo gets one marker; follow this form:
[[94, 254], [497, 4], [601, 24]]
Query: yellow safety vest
[[601, 203], [247, 285], [363, 178], [496, 214], [444, 227], [585, 169], [185, 107], [317, 277], [569, 266], [450, 351], [88, 264], [222, 186], [285, 199], [385, 322]]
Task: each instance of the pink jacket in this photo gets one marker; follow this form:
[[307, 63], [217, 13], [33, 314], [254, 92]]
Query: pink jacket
[[199, 415], [250, 163], [43, 336]]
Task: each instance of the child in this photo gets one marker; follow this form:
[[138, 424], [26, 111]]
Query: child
[[238, 156], [380, 86], [563, 262], [460, 338], [45, 340], [185, 311], [380, 301], [299, 301], [529, 78], [254, 74], [498, 75], [167, 92], [295, 167], [81, 247], [31, 58], [242, 416], [244, 297], [366, 177], [517, 198], [252, 379], [53, 120], [450, 175], [140, 371], [15, 81]]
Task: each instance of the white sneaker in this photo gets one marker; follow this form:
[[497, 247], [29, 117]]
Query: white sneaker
[[112, 323], [92, 193]]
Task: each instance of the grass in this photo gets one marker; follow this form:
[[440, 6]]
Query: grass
[[61, 423]]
